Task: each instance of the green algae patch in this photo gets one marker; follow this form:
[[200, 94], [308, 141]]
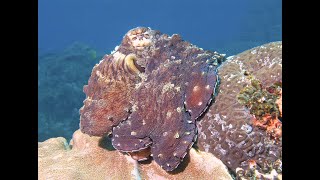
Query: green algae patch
[[260, 100]]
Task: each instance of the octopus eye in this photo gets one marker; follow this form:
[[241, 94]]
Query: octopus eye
[[134, 38], [147, 36], [131, 63]]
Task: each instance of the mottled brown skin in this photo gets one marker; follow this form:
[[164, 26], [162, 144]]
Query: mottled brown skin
[[166, 84], [108, 95], [227, 128]]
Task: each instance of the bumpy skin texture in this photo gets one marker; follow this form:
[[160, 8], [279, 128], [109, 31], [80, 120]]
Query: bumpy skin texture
[[227, 129], [108, 95], [152, 90]]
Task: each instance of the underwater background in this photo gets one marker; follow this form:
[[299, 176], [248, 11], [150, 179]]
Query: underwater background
[[73, 36]]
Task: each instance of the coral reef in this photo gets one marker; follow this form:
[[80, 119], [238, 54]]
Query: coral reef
[[155, 96], [152, 98], [237, 126], [61, 77], [149, 93], [93, 158]]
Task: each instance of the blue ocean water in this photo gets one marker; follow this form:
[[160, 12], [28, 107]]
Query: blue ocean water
[[74, 34]]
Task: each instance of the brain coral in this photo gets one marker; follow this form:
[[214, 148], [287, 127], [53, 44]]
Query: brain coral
[[149, 93], [227, 130]]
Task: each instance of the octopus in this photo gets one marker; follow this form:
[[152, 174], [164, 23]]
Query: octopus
[[148, 94]]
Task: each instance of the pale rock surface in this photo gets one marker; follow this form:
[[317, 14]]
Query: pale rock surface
[[94, 158]]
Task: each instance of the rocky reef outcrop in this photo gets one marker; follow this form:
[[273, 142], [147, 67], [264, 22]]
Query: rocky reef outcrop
[[94, 158]]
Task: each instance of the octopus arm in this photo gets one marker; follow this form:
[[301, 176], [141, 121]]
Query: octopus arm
[[172, 142], [107, 102], [200, 90], [130, 143]]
